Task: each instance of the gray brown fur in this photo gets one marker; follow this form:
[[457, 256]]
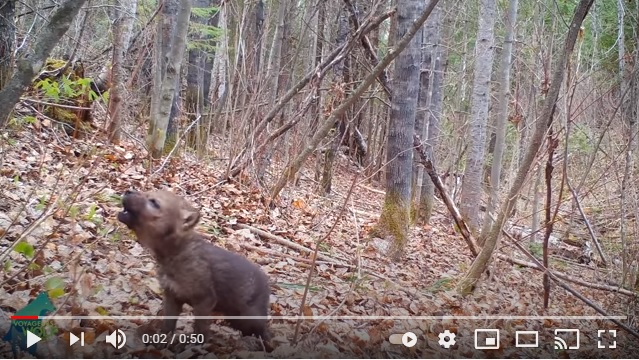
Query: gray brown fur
[[191, 270]]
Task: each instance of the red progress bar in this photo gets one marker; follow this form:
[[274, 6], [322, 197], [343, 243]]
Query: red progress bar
[[24, 317]]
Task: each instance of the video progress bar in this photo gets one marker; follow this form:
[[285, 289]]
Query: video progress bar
[[323, 318]]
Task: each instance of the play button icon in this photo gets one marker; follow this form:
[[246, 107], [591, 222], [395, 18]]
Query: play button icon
[[409, 339], [32, 339]]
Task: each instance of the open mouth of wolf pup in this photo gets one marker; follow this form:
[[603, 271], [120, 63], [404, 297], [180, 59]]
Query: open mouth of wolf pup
[[128, 215]]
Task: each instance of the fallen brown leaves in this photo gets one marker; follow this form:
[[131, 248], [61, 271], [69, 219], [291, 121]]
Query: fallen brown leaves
[[61, 196]]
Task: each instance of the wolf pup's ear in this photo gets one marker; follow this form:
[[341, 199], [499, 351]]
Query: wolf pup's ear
[[190, 216]]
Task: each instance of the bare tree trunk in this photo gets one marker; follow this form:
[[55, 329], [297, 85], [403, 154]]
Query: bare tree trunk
[[503, 99], [467, 285], [317, 59], [198, 74], [394, 221], [427, 199], [7, 39], [430, 41], [340, 81], [480, 100], [166, 93], [30, 65], [294, 166], [273, 71], [629, 123], [219, 72], [161, 48], [122, 28]]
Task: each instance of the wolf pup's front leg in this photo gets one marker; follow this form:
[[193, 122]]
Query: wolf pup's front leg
[[172, 307]]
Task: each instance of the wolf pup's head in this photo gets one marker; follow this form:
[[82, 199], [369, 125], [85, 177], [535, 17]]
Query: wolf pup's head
[[158, 217]]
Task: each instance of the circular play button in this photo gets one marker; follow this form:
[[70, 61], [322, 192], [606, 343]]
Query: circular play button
[[409, 339]]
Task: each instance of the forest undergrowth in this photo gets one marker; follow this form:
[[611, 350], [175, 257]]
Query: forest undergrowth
[[61, 197]]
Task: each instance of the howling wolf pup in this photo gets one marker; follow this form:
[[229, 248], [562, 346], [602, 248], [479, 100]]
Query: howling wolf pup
[[191, 270]]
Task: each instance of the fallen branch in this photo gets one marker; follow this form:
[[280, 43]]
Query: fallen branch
[[552, 275], [590, 230], [288, 256], [459, 221], [282, 241]]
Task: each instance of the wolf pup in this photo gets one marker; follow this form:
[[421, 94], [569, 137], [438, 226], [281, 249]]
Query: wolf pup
[[191, 270]]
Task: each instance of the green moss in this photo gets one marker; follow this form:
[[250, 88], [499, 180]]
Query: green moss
[[169, 143], [394, 223]]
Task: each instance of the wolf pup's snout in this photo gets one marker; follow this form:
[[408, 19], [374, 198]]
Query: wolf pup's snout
[[193, 271], [128, 214]]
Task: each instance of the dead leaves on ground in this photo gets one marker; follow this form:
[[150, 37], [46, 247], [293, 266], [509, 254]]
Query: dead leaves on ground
[[107, 273]]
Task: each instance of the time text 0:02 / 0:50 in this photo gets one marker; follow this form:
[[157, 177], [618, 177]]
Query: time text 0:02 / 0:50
[[149, 339]]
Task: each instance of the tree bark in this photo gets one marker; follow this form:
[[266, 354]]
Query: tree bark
[[480, 264], [30, 65], [394, 220], [503, 98], [427, 199], [7, 39], [170, 80], [480, 100], [429, 49], [341, 79], [122, 28]]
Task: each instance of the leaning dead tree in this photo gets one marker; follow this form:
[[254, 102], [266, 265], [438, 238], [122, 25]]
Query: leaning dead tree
[[467, 285], [29, 66]]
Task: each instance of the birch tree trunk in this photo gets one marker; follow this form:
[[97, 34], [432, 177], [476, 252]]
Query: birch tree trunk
[[168, 85], [427, 198], [480, 264], [429, 45], [219, 76], [480, 100], [394, 221], [503, 99], [30, 65]]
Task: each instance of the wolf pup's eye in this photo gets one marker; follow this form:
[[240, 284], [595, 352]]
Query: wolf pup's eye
[[155, 203]]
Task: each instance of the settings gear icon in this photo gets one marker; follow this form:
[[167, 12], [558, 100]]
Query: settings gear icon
[[447, 339]]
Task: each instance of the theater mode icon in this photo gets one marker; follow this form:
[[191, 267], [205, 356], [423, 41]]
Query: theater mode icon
[[526, 339]]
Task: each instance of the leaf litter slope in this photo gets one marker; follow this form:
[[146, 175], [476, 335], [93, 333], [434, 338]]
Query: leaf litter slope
[[70, 190]]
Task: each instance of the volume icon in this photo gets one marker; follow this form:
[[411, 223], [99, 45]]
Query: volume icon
[[117, 339]]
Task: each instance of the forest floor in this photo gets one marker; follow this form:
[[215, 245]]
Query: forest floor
[[65, 194]]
